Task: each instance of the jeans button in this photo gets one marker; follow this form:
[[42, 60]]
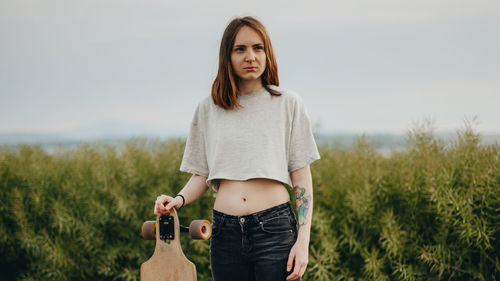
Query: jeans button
[[242, 219]]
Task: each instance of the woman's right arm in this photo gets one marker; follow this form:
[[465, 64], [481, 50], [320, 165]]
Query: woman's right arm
[[194, 189]]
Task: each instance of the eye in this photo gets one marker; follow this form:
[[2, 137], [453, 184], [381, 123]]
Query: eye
[[259, 47], [239, 49]]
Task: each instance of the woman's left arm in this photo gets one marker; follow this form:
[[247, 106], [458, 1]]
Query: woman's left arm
[[302, 188]]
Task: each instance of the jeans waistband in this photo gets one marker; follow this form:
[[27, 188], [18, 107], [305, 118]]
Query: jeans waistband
[[284, 208]]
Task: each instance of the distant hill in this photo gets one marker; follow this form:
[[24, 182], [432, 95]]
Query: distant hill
[[382, 142]]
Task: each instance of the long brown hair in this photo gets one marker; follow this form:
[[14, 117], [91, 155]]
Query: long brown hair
[[225, 90]]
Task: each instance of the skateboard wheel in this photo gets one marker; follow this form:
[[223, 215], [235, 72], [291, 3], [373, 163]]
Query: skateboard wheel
[[200, 229], [149, 230]]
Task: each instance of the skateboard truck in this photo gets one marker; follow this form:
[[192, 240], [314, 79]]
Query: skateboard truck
[[198, 229], [167, 227]]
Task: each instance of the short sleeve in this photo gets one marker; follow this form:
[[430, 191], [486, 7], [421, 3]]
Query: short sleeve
[[303, 150], [195, 159]]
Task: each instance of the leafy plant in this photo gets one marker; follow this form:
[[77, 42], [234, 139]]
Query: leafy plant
[[429, 212]]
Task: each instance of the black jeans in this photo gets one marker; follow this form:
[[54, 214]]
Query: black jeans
[[252, 247]]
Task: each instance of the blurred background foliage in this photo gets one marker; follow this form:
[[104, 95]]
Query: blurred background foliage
[[428, 212]]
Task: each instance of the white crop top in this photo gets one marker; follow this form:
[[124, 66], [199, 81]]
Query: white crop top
[[269, 137]]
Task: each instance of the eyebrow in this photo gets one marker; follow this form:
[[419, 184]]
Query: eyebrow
[[254, 45]]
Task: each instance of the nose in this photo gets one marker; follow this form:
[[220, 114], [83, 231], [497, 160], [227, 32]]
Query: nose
[[250, 56]]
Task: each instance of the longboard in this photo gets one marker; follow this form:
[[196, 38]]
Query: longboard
[[168, 262]]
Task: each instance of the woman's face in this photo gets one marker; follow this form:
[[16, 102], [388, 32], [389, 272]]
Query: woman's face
[[248, 57]]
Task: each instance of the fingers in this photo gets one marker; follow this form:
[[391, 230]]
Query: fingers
[[160, 205], [297, 272], [291, 257], [298, 269], [171, 204]]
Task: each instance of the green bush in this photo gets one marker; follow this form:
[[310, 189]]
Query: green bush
[[429, 212]]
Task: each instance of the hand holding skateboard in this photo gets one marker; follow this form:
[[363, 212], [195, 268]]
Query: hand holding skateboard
[[164, 203]]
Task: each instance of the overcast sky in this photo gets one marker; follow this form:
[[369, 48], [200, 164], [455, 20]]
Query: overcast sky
[[142, 66]]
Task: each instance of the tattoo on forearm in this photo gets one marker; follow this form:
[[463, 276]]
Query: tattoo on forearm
[[303, 203]]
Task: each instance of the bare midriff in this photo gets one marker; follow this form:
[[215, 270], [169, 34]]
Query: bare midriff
[[245, 197]]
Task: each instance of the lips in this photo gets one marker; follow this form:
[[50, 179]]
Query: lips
[[250, 68]]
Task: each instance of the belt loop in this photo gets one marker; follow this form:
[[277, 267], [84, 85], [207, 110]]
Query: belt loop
[[256, 217]]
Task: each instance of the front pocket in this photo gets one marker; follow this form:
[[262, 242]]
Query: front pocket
[[276, 225]]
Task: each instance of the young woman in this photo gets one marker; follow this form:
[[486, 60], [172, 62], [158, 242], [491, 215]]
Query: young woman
[[247, 139]]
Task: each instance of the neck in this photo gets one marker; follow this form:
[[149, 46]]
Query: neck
[[247, 87]]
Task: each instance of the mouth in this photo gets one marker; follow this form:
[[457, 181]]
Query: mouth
[[250, 68]]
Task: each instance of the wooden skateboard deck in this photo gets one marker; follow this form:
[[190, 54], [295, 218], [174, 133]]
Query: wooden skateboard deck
[[168, 262]]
